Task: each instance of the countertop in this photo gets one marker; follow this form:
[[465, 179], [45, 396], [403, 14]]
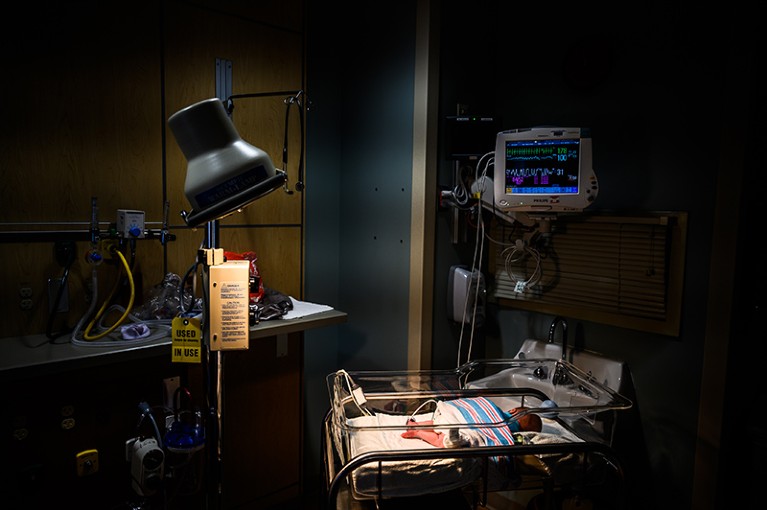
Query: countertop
[[22, 357]]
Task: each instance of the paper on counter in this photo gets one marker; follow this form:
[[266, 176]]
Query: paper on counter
[[303, 308]]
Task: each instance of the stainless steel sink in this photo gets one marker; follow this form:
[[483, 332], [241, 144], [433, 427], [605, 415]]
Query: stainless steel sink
[[605, 370]]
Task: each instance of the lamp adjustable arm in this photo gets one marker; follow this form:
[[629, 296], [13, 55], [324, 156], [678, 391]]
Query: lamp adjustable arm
[[293, 97]]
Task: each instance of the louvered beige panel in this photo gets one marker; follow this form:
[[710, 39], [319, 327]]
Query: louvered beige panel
[[618, 270]]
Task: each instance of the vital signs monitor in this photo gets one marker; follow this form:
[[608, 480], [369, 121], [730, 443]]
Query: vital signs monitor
[[544, 169]]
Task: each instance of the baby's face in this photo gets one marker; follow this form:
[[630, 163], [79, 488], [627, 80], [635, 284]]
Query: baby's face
[[528, 422]]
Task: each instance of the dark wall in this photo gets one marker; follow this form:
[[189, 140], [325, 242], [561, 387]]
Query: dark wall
[[655, 85], [661, 88], [359, 147]]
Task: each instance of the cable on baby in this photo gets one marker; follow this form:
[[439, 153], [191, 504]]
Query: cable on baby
[[424, 404]]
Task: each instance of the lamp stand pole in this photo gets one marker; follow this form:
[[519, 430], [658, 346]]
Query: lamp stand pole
[[213, 364]]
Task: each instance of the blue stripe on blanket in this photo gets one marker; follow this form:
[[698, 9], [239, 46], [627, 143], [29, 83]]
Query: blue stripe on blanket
[[480, 410]]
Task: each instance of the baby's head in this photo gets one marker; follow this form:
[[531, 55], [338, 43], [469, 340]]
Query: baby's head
[[528, 422]]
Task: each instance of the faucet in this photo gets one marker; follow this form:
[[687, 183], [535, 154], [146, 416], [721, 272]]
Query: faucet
[[559, 321]]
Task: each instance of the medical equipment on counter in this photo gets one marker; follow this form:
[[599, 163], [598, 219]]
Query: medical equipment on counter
[[90, 331], [130, 224], [544, 170]]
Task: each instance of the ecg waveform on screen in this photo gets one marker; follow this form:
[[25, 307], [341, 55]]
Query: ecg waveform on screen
[[538, 176], [544, 168], [540, 153], [530, 152]]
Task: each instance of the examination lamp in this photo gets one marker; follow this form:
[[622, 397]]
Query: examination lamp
[[224, 173]]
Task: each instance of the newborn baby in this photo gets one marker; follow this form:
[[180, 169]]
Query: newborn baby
[[490, 414]]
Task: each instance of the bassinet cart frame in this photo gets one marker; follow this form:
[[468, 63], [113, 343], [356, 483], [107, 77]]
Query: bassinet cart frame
[[588, 461]]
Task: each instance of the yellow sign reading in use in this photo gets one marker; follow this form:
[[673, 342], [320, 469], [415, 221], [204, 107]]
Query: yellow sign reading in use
[[187, 340]]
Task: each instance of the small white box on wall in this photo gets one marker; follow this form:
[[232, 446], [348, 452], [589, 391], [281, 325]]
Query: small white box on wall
[[462, 293], [130, 224]]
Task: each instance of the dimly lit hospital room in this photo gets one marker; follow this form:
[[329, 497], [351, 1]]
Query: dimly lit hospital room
[[288, 255]]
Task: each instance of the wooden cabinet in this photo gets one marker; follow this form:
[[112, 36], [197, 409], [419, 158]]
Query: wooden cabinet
[[47, 419], [262, 422], [49, 416], [59, 401]]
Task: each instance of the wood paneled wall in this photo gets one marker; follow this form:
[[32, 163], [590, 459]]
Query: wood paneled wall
[[84, 114]]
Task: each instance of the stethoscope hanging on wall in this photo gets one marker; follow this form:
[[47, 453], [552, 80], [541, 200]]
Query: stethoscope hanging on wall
[[297, 98], [289, 101]]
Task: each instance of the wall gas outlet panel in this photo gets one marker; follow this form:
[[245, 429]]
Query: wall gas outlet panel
[[130, 224], [229, 305], [87, 462]]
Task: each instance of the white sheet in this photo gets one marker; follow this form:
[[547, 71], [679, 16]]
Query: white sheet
[[304, 308], [407, 477], [413, 477]]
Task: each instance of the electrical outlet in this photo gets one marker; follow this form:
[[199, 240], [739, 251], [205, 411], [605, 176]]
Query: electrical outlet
[[25, 292]]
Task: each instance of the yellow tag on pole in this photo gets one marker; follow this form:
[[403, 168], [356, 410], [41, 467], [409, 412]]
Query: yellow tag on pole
[[187, 340]]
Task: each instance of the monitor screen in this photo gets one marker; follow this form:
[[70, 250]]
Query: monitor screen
[[535, 167], [543, 169]]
